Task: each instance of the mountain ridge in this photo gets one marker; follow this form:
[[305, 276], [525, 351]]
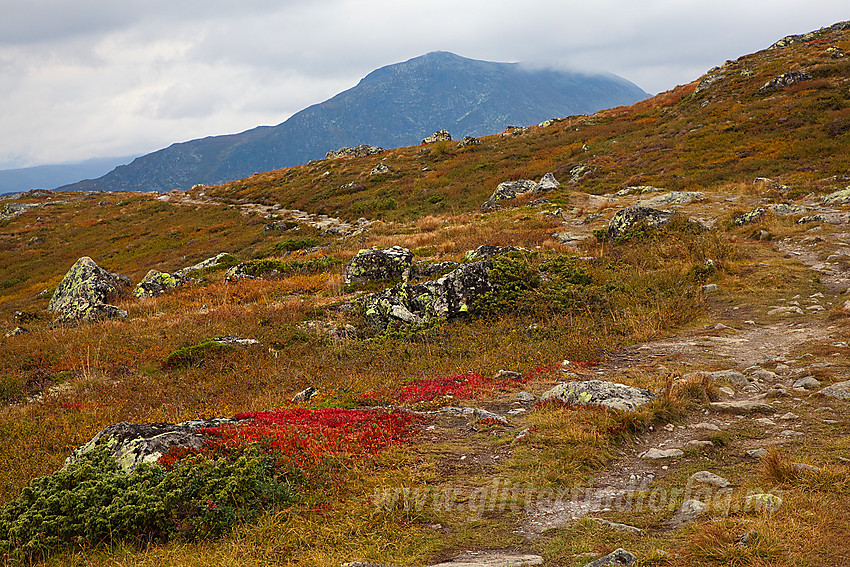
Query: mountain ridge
[[395, 105]]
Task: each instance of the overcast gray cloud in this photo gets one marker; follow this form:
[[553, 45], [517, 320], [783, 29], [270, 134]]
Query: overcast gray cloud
[[99, 77]]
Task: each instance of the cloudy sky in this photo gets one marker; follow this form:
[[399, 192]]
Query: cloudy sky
[[96, 78]]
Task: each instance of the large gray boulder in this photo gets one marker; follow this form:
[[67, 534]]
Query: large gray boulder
[[445, 298], [840, 390], [784, 80], [509, 190], [379, 265], [438, 136], [630, 217], [135, 443], [361, 150], [598, 393], [424, 269], [547, 183], [85, 292]]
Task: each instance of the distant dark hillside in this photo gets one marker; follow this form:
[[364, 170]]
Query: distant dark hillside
[[393, 106]]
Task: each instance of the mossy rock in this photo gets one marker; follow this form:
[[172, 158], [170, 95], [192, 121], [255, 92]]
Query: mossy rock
[[156, 283], [632, 217], [391, 264]]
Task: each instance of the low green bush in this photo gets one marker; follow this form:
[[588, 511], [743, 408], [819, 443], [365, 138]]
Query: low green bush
[[194, 355], [296, 243], [94, 502], [524, 285]]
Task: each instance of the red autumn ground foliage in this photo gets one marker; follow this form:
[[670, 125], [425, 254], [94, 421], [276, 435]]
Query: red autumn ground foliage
[[304, 438]]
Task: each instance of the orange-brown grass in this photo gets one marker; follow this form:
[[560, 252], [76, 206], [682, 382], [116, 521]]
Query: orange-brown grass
[[778, 468]]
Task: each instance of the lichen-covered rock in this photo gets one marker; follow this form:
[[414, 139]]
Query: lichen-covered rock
[[361, 150], [445, 298], [468, 141], [438, 136], [233, 340], [840, 197], [156, 283], [656, 454], [829, 218], [637, 190], [709, 478], [599, 393], [630, 217], [486, 251], [305, 395], [578, 172], [508, 190], [785, 80], [671, 198], [748, 218], [784, 209], [379, 265], [135, 443], [380, 169], [238, 272], [708, 81], [762, 503], [491, 559], [281, 226], [84, 293]]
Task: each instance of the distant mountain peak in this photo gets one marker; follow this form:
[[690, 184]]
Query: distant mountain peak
[[392, 106]]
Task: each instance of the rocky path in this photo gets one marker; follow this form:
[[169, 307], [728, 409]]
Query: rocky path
[[760, 358]]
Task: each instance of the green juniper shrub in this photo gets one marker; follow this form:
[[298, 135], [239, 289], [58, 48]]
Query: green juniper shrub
[[194, 355], [523, 285], [94, 501]]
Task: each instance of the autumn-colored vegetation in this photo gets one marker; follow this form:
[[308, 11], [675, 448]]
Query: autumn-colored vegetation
[[557, 302]]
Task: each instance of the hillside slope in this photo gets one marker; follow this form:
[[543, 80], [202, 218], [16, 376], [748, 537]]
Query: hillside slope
[[726, 126], [393, 106]]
